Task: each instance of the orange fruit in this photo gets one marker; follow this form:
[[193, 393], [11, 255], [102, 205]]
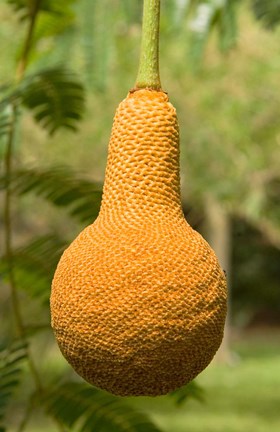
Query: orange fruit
[[138, 299]]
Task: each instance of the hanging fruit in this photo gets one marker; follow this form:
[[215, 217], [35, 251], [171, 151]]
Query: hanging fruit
[[138, 299]]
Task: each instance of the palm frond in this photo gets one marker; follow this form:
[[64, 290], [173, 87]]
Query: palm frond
[[11, 359], [34, 265], [61, 187], [189, 391], [55, 97], [268, 12], [87, 409]]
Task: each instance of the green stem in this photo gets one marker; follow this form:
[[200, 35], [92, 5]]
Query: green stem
[[148, 72]]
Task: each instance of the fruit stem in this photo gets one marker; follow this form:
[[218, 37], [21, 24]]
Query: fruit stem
[[148, 72]]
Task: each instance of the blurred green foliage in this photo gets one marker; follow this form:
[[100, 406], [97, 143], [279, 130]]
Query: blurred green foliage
[[221, 70]]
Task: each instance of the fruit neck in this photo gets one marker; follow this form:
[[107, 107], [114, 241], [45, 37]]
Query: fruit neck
[[142, 175]]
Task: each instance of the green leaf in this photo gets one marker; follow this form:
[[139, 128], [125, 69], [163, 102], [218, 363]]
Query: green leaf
[[34, 265], [60, 186], [189, 391], [268, 12], [11, 359], [55, 97], [87, 409]]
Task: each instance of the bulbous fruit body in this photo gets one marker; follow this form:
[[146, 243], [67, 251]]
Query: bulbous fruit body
[[138, 300]]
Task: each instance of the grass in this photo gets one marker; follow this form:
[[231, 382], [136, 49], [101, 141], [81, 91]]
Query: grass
[[240, 398]]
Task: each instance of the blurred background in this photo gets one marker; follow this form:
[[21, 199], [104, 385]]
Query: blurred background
[[64, 68]]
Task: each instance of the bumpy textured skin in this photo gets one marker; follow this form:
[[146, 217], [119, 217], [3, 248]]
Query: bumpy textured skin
[[138, 300]]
